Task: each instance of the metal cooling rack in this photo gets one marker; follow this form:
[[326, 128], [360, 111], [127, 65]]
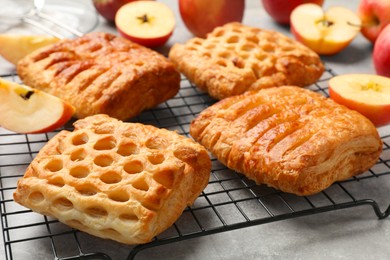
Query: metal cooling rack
[[230, 201]]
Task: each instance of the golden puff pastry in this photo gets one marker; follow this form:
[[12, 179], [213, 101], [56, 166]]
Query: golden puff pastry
[[101, 73], [235, 58], [122, 181], [288, 137]]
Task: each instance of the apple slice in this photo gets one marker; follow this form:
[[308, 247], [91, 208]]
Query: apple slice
[[27, 110], [148, 23], [326, 33], [366, 93], [14, 47]]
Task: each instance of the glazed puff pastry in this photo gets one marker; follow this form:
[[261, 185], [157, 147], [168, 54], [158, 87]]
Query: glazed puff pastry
[[290, 138], [123, 181], [235, 58], [101, 73]]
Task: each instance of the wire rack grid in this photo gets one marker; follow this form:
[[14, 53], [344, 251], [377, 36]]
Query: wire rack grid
[[230, 201]]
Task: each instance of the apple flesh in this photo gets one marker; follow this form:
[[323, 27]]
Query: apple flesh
[[326, 33], [202, 16], [27, 110], [280, 10], [148, 23], [14, 47], [375, 15], [108, 8], [381, 53], [368, 94]]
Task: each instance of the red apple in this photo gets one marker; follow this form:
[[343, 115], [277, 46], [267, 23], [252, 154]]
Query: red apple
[[368, 94], [27, 110], [326, 33], [108, 8], [280, 10], [381, 53], [375, 15], [202, 16], [148, 23]]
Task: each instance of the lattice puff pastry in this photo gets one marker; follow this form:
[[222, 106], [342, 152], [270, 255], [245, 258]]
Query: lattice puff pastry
[[122, 181], [289, 138], [236, 58], [102, 73]]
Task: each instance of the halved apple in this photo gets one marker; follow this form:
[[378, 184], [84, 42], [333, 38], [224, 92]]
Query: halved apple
[[14, 47], [148, 23], [368, 94], [326, 33], [27, 110]]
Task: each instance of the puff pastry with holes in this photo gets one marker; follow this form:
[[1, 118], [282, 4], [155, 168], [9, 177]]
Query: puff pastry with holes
[[235, 58], [290, 138], [101, 73], [122, 181]]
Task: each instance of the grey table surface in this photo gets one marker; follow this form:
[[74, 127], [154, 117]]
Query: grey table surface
[[344, 234]]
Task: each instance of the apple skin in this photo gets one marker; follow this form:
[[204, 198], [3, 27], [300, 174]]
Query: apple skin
[[325, 38], [356, 91], [108, 8], [202, 16], [375, 15], [147, 42], [280, 10], [30, 111], [148, 23], [381, 53]]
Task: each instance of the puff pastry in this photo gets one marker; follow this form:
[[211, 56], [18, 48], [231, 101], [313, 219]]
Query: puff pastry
[[122, 181], [235, 58], [288, 137], [101, 73]]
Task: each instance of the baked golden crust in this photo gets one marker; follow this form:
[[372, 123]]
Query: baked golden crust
[[123, 181], [289, 138], [236, 58], [102, 73]]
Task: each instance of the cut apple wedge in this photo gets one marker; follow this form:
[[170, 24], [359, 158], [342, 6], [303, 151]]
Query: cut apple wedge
[[148, 23], [27, 110], [326, 33], [14, 47], [366, 93]]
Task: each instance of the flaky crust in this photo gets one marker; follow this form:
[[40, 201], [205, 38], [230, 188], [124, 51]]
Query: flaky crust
[[289, 138], [101, 73], [236, 58], [123, 181]]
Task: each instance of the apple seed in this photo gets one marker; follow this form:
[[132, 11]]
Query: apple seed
[[325, 23], [27, 95], [371, 86]]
